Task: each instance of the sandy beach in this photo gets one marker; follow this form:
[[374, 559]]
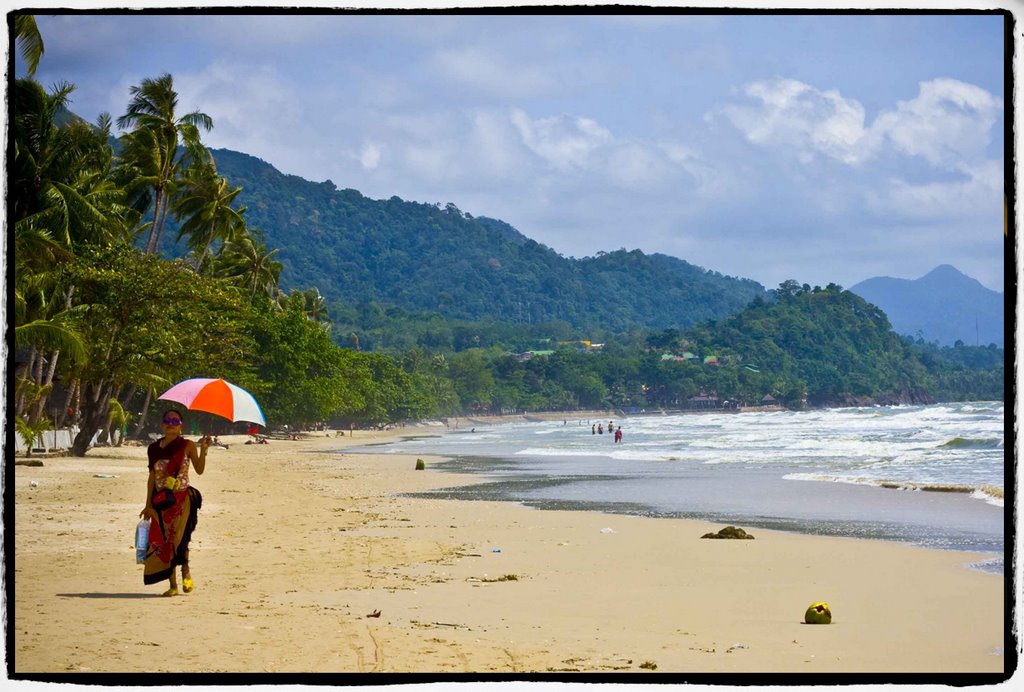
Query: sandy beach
[[309, 561]]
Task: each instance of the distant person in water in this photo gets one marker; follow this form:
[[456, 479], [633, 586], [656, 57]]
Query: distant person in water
[[593, 429], [600, 429], [618, 434]]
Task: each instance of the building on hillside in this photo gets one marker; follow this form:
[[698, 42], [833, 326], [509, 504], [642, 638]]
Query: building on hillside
[[703, 401]]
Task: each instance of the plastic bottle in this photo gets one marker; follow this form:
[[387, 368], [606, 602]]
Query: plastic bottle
[[141, 540]]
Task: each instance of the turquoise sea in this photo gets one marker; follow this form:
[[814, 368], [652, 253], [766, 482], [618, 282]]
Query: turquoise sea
[[927, 475]]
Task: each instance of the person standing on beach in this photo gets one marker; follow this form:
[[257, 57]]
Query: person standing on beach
[[172, 504]]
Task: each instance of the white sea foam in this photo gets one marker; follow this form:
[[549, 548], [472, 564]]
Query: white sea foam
[[936, 467], [990, 494]]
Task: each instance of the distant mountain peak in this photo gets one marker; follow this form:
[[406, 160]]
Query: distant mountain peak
[[945, 271], [944, 305]]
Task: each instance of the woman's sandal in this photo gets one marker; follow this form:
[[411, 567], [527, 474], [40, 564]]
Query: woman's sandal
[[187, 585], [170, 592]]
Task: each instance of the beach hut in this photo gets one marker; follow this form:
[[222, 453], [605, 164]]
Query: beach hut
[[703, 401]]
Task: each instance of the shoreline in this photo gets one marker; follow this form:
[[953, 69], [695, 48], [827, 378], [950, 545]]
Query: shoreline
[[300, 543], [909, 513]]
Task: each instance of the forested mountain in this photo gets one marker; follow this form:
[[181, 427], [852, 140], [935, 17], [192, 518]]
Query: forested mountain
[[830, 343], [428, 258], [943, 306], [806, 347]]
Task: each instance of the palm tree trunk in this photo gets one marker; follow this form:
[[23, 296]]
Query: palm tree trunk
[[163, 220], [95, 411], [62, 415], [154, 238], [111, 426], [19, 405], [40, 405], [142, 416], [29, 374], [149, 237], [206, 247]]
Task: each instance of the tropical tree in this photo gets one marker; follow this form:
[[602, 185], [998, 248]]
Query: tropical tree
[[203, 204], [248, 264], [30, 41], [147, 321], [151, 158], [303, 377], [310, 302], [30, 431], [61, 179], [118, 422], [62, 196]]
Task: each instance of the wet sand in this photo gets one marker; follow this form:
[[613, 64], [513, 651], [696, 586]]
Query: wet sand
[[308, 561]]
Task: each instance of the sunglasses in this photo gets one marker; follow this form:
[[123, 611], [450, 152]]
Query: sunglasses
[[172, 421]]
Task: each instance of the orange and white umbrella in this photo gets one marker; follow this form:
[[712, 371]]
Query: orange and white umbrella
[[218, 397]]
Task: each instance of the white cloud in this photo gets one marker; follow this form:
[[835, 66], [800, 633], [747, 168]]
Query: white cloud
[[795, 115], [370, 155], [948, 123], [564, 141]]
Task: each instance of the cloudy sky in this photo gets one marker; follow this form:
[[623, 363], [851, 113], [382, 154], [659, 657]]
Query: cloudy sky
[[818, 147]]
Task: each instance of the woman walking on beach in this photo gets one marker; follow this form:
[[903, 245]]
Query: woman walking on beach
[[172, 504]]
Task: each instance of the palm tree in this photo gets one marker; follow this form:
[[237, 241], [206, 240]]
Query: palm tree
[[119, 419], [61, 195], [41, 152], [31, 431], [44, 329], [247, 263], [310, 302], [61, 179], [204, 202], [30, 41], [151, 148]]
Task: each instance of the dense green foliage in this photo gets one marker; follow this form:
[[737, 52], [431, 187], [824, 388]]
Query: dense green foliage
[[103, 326], [804, 347], [963, 373], [428, 258], [826, 345]]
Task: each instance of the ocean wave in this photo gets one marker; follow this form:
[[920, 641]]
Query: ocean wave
[[973, 443], [990, 494]]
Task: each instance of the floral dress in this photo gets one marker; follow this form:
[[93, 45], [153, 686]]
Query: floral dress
[[171, 530]]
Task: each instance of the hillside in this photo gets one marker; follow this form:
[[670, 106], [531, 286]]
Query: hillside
[[809, 347], [829, 346], [943, 306], [423, 257]]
